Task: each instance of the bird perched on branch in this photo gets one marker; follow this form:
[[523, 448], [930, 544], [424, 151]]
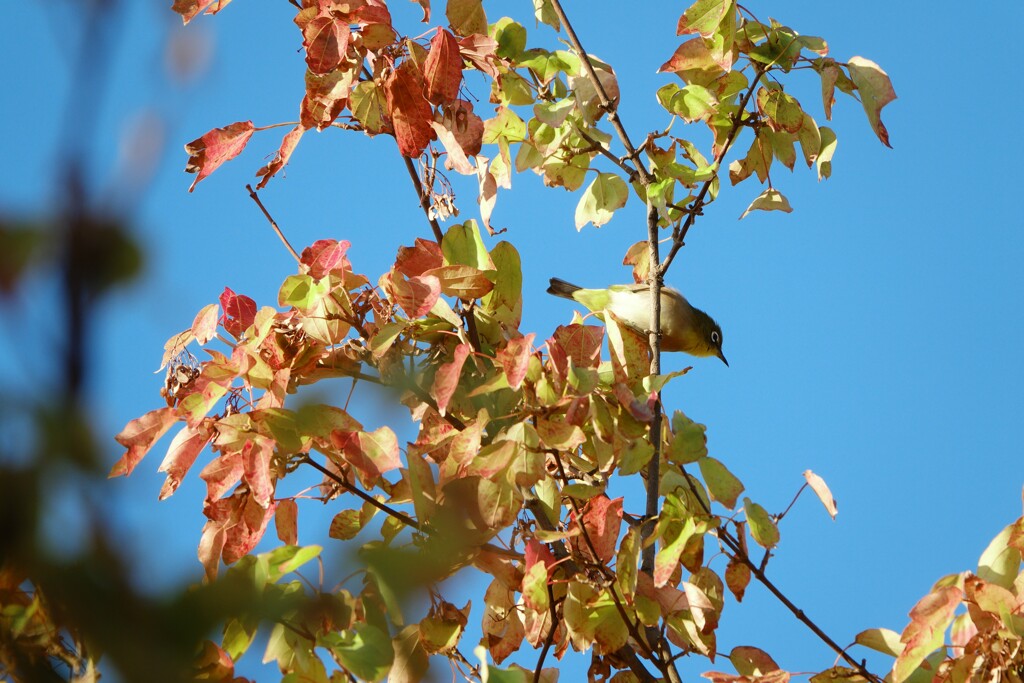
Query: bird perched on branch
[[683, 327]]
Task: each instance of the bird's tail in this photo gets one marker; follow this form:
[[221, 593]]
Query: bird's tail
[[562, 288]]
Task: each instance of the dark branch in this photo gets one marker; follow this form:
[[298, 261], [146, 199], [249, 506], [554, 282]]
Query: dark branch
[[273, 223]]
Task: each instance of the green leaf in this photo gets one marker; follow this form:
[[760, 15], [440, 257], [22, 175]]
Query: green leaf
[[692, 103], [510, 36], [462, 245], [722, 484], [1000, 563], [289, 558], [300, 291], [689, 443], [364, 650], [769, 200], [828, 148], [703, 17], [346, 525], [600, 200], [762, 528]]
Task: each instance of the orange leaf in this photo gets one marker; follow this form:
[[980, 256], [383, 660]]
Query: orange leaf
[[256, 458], [419, 258], [221, 473], [515, 359], [416, 295], [207, 153], [286, 521], [189, 9], [446, 379], [409, 110], [181, 454], [204, 327], [370, 453], [280, 160], [602, 518], [582, 343], [442, 69], [139, 435]]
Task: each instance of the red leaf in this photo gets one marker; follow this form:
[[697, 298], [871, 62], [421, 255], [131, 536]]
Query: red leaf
[[256, 456], [242, 537], [139, 435], [581, 343], [416, 295], [280, 160], [239, 312], [326, 41], [515, 359], [409, 110], [639, 410], [181, 454], [442, 70], [189, 9], [286, 520], [221, 473], [446, 379], [324, 256], [602, 518], [207, 153], [419, 258], [538, 552]]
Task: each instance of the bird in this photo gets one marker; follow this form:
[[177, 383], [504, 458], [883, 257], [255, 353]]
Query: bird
[[683, 327]]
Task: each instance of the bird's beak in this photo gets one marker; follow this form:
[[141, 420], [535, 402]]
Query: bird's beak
[[722, 356]]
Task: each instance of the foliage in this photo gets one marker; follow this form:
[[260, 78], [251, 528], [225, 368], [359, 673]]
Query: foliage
[[518, 444]]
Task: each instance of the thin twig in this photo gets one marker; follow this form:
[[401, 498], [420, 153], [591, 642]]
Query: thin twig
[[387, 509], [273, 223], [695, 208], [598, 147], [551, 634]]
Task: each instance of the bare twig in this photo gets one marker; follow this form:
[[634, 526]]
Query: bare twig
[[387, 509], [273, 223], [551, 634]]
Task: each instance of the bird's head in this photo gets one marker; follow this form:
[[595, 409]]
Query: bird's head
[[709, 336]]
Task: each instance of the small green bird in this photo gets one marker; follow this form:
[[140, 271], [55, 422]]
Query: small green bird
[[683, 327]]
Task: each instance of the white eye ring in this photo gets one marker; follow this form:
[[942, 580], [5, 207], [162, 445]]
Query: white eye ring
[[715, 337]]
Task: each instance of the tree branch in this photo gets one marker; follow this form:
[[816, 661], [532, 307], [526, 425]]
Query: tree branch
[[424, 202], [273, 223]]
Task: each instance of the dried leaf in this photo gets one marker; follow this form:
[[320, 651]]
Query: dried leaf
[[139, 435], [876, 91], [280, 160], [821, 489]]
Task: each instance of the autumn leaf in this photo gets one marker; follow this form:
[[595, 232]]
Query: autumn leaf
[[325, 256], [769, 200], [256, 469], [419, 258], [876, 91], [222, 473], [181, 454], [370, 453], [514, 358], [703, 17], [821, 489], [239, 312], [446, 379], [189, 9], [280, 160], [326, 41], [467, 17], [409, 110], [204, 327], [138, 437], [416, 295], [601, 199], [442, 70], [207, 153], [286, 521]]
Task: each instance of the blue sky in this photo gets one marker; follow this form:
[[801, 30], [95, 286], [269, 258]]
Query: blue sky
[[874, 334]]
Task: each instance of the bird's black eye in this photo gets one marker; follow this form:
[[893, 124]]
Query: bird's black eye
[[715, 337]]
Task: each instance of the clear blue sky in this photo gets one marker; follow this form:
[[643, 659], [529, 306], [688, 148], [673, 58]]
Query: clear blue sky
[[874, 334]]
